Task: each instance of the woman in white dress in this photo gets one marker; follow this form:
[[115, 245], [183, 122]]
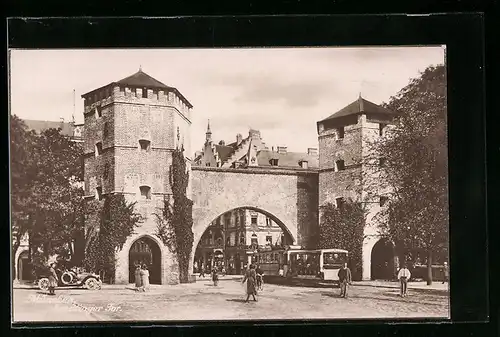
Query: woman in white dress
[[145, 277]]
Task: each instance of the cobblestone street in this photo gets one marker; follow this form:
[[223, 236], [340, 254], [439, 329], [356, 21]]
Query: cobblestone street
[[203, 301]]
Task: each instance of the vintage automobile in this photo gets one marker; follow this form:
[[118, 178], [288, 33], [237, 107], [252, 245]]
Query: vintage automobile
[[71, 278]]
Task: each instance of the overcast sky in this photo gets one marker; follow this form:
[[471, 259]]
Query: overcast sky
[[281, 92]]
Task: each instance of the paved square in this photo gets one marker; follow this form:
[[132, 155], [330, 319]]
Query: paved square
[[203, 301]]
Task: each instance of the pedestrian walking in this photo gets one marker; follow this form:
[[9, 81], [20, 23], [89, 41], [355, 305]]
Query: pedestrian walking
[[250, 278], [345, 279], [403, 276], [446, 273], [144, 278], [137, 275], [215, 276], [53, 279], [202, 271]]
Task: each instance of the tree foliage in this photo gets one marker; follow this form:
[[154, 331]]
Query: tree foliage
[[45, 193], [343, 228], [109, 224], [175, 223], [416, 166]]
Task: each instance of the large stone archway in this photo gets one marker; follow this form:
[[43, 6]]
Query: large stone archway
[[288, 197], [201, 229]]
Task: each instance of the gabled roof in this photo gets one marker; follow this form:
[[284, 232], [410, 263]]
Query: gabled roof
[[39, 126], [224, 152], [359, 106]]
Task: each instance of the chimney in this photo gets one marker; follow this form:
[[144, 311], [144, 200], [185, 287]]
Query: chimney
[[239, 139], [312, 151], [282, 149], [223, 143]]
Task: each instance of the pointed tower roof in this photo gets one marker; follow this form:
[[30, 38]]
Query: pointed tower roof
[[140, 79], [360, 106]]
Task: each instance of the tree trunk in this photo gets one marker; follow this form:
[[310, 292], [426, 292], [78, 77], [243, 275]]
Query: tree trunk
[[429, 268]]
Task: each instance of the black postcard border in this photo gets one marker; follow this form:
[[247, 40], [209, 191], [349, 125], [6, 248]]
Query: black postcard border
[[463, 35]]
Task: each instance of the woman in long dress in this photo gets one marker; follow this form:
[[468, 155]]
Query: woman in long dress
[[138, 281], [250, 278], [52, 279], [145, 278]]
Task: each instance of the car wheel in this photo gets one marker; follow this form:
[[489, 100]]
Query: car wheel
[[91, 283], [43, 284]]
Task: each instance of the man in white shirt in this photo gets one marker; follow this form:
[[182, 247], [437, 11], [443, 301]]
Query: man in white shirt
[[403, 276]]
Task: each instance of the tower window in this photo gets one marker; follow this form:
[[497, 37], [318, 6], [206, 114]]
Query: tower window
[[339, 202], [339, 165], [254, 220], [383, 200], [269, 239], [98, 149], [105, 130], [340, 133], [144, 93], [98, 193], [268, 222], [145, 192], [145, 145], [98, 111], [105, 173]]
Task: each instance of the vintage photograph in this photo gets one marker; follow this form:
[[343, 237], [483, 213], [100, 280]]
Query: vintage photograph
[[154, 185]]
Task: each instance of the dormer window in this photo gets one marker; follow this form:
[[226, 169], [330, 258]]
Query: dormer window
[[145, 192], [340, 133], [303, 164], [145, 145], [274, 162], [98, 193], [98, 149], [144, 93], [339, 165]]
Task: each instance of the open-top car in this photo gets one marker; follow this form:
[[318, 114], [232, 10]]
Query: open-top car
[[71, 278]]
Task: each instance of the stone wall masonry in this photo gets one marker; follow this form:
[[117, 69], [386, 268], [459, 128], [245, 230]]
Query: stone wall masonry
[[134, 168], [153, 123], [347, 149], [95, 168], [94, 129]]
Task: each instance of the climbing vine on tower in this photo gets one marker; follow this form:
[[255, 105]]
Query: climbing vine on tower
[[175, 223]]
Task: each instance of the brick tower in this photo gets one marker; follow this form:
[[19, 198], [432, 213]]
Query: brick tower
[[343, 143], [131, 128]]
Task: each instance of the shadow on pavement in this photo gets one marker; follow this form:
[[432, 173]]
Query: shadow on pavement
[[239, 300]]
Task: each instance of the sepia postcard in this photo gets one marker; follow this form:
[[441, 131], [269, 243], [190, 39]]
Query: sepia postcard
[[229, 184]]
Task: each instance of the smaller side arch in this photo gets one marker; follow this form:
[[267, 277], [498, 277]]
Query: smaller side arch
[[122, 273]]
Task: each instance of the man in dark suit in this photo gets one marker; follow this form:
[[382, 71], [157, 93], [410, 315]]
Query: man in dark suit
[[344, 279]]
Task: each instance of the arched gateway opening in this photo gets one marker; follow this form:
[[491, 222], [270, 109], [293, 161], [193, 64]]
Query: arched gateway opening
[[24, 267], [231, 241], [145, 251], [383, 266]]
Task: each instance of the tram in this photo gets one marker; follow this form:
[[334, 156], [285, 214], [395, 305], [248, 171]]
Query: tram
[[301, 263]]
